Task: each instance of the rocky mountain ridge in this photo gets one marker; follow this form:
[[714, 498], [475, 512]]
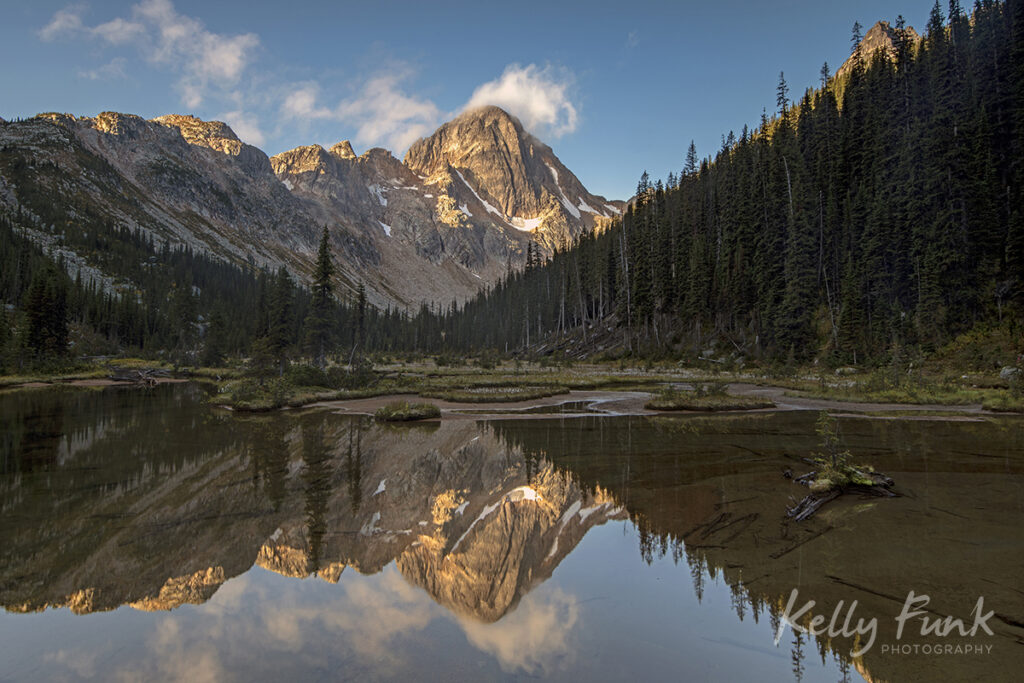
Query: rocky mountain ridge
[[453, 217]]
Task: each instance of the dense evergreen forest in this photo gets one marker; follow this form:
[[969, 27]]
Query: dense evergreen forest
[[881, 210], [164, 302]]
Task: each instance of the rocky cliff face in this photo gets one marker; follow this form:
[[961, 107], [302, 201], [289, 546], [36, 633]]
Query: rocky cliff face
[[487, 161], [450, 219]]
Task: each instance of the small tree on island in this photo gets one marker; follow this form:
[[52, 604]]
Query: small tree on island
[[835, 475]]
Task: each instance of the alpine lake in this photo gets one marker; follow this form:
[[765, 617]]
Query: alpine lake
[[147, 535]]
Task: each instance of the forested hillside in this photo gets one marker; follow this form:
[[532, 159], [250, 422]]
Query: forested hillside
[[880, 210], [160, 301]]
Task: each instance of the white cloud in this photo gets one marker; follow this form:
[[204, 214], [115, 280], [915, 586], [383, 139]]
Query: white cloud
[[119, 31], [114, 69], [535, 638], [382, 113], [64, 22], [208, 67], [246, 126], [300, 104], [204, 61], [386, 115], [538, 97]]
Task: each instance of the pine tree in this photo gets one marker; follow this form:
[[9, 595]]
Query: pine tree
[[359, 333], [46, 314], [782, 94], [690, 167], [279, 334], [213, 350], [318, 322]]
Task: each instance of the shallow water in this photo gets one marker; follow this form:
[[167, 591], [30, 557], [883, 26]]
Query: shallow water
[[146, 536]]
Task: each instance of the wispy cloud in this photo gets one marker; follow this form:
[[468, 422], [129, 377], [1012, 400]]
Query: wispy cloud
[[203, 61], [384, 112], [216, 71], [381, 110], [535, 638], [246, 126], [301, 103], [538, 97], [112, 70], [64, 22]]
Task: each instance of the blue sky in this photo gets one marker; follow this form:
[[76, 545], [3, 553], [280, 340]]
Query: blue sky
[[615, 88]]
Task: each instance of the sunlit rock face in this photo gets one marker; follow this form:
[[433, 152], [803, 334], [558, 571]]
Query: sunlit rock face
[[512, 544], [193, 589], [487, 161], [463, 513], [882, 37], [449, 220]]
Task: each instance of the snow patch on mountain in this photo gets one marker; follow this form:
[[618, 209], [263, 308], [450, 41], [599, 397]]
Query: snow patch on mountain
[[516, 495], [480, 199], [525, 224], [565, 200], [379, 192]]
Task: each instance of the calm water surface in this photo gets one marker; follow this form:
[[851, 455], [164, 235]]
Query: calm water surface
[[146, 536]]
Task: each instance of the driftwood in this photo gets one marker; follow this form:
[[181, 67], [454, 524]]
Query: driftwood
[[146, 376], [880, 486], [810, 504]]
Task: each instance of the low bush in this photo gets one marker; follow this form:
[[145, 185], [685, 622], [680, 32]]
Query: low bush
[[403, 411], [308, 376]]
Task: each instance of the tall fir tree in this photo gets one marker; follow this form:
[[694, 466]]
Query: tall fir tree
[[319, 323]]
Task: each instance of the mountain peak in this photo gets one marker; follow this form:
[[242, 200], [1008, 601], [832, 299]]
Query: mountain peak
[[343, 150], [489, 113], [489, 161], [880, 37], [300, 160], [196, 130]]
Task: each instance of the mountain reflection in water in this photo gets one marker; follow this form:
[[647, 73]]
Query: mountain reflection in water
[[154, 501]]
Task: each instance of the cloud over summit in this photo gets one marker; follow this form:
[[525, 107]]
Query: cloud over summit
[[538, 97]]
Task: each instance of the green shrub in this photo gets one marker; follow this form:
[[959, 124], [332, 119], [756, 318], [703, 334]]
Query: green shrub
[[448, 360], [307, 376], [710, 396], [359, 376], [403, 411], [704, 389]]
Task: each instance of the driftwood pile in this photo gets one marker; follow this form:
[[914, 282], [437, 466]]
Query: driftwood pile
[[864, 482], [146, 376]]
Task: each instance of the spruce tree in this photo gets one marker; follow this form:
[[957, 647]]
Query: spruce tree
[[690, 167], [46, 314], [318, 323], [279, 334], [782, 94]]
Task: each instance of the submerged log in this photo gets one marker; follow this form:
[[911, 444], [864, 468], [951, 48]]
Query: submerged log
[[811, 503], [146, 376]]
